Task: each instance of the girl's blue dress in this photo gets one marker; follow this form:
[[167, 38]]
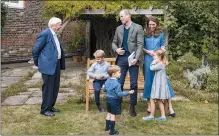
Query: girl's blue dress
[[152, 43]]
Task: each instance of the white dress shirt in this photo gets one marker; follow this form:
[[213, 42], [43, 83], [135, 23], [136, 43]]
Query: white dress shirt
[[127, 27], [57, 43]]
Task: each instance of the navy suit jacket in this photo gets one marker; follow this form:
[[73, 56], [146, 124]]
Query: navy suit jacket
[[45, 53]]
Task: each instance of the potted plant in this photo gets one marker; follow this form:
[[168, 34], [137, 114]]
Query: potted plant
[[77, 41], [83, 51], [84, 58]]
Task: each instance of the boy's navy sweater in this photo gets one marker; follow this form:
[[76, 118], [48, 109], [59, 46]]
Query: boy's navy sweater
[[113, 89]]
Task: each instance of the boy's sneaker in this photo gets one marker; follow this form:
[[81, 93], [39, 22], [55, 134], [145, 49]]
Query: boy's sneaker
[[148, 118], [100, 108], [161, 118], [114, 133]]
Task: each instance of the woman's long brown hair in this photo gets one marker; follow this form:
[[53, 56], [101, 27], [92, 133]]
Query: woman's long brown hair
[[157, 30]]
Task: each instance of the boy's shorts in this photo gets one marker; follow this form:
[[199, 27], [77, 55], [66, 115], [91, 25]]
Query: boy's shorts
[[113, 106]]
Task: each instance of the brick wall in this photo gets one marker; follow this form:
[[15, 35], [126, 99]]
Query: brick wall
[[20, 31], [71, 29]]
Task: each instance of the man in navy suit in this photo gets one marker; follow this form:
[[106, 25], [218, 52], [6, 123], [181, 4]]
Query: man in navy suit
[[48, 55]]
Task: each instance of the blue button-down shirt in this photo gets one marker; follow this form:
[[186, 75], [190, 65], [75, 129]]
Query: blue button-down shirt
[[99, 69]]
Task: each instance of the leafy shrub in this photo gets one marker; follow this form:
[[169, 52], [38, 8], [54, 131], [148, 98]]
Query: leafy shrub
[[197, 78], [174, 70], [189, 61], [212, 81], [80, 89], [180, 87]]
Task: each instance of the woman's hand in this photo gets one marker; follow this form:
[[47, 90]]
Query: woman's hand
[[148, 52], [152, 53]]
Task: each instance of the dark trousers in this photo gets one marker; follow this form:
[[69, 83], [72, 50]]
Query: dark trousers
[[97, 84], [122, 62], [50, 89]]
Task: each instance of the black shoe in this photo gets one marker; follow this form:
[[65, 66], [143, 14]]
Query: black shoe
[[172, 115], [132, 110], [100, 108], [114, 133], [48, 113], [148, 112], [55, 110]]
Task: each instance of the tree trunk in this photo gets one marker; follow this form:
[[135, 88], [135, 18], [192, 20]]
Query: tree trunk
[[104, 30], [66, 21], [204, 60]]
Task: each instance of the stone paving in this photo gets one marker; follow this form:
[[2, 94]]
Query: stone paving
[[11, 73], [34, 95]]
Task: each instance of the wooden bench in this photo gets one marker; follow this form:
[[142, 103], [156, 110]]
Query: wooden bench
[[89, 82]]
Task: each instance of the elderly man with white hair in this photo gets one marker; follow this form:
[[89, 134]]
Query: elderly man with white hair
[[48, 55]]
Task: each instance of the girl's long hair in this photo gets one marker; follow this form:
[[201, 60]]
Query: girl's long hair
[[162, 55], [158, 30]]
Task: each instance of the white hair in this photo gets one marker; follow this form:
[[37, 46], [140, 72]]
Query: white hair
[[54, 21]]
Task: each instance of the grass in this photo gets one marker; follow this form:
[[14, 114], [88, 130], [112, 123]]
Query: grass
[[36, 85], [192, 118], [18, 87]]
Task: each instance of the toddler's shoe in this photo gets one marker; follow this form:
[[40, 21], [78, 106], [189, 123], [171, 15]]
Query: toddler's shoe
[[107, 128], [161, 118], [148, 118]]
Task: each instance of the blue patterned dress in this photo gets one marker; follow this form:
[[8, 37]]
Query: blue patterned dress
[[152, 43]]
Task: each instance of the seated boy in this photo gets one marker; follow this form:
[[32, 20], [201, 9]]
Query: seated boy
[[98, 71]]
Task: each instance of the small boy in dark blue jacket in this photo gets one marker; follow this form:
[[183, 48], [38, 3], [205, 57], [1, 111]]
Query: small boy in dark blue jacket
[[112, 87]]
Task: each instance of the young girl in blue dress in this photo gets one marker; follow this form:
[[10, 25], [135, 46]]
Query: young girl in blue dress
[[160, 90]]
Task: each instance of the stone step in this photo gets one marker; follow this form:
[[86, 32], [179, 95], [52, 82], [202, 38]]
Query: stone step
[[16, 100]]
